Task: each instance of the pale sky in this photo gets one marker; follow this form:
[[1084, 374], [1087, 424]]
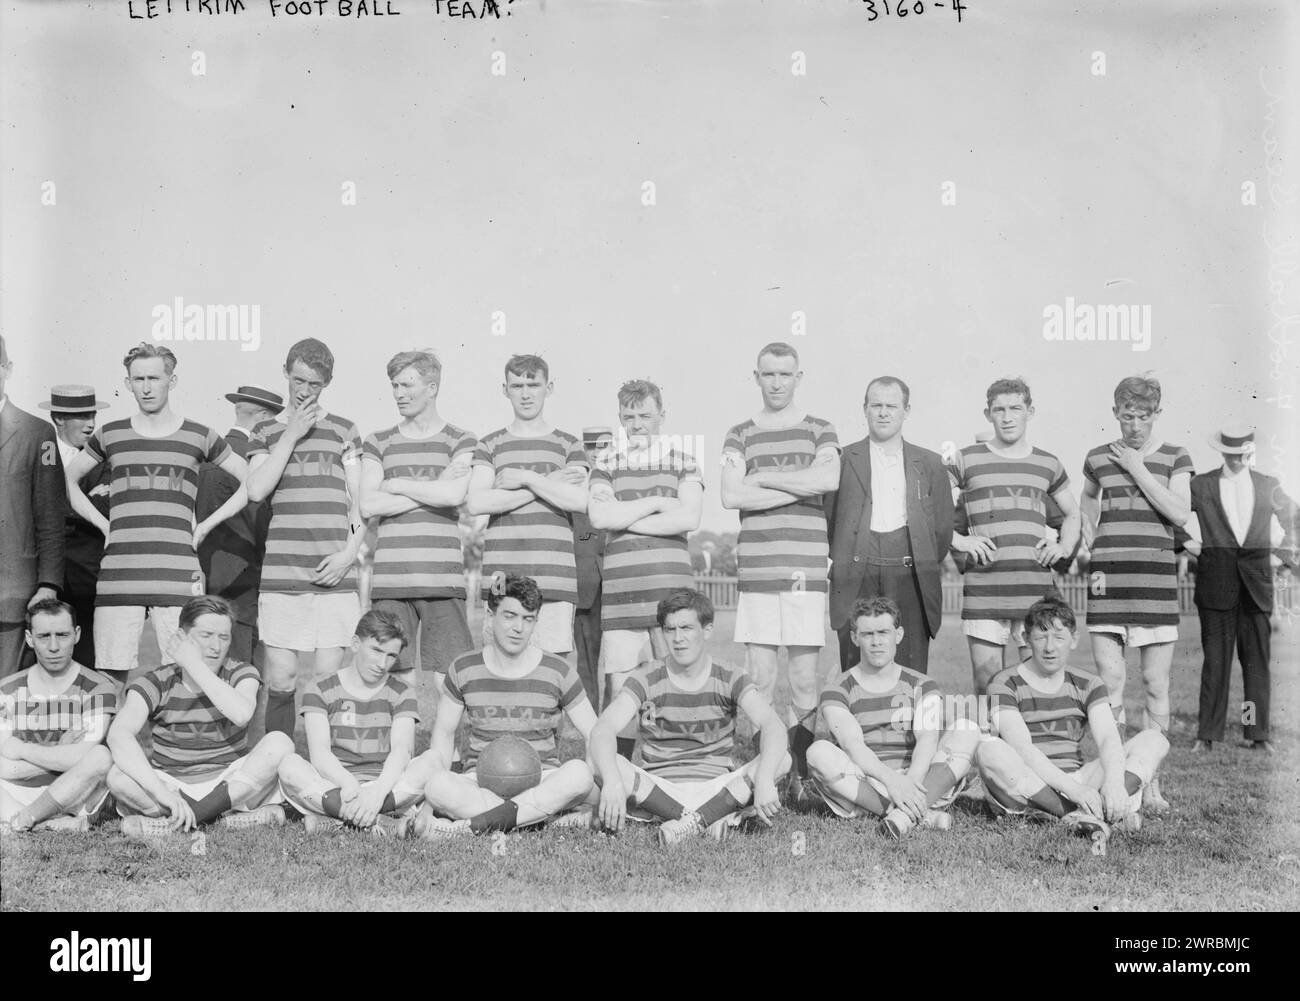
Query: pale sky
[[774, 193]]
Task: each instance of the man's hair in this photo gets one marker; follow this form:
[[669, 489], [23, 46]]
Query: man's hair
[[315, 355], [685, 599], [380, 626], [527, 365], [778, 349], [1008, 387], [1047, 610], [872, 607], [424, 362], [523, 589], [889, 380], [146, 350], [1140, 390], [80, 415], [205, 604], [635, 390], [51, 606]]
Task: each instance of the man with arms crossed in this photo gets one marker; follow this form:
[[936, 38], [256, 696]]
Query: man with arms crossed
[[647, 496], [775, 468], [53, 718]]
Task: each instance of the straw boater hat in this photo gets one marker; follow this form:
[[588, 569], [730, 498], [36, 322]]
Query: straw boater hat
[[72, 400], [256, 394], [1235, 439]]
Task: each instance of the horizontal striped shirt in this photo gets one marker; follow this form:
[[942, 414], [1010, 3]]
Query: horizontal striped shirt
[[886, 718], [535, 540], [637, 570], [361, 727], [529, 707], [1133, 551], [783, 548], [1005, 500], [310, 505], [687, 736], [1056, 723], [70, 717], [191, 738], [418, 554], [149, 557]]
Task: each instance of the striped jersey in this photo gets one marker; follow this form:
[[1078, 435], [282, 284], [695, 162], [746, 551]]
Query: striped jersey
[[310, 505], [77, 713], [638, 571], [1005, 500], [418, 554], [888, 718], [783, 548], [529, 707], [1055, 722], [535, 540], [361, 728], [1134, 547], [191, 738], [687, 736], [149, 557]]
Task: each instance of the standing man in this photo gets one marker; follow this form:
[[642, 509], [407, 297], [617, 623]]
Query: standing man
[[776, 467], [150, 565], [231, 555], [648, 496], [309, 463], [1235, 507], [32, 504], [413, 478], [73, 410], [1002, 488], [1137, 493], [530, 478], [588, 551], [890, 527]]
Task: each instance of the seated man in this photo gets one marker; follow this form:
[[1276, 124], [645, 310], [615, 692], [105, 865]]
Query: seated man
[[508, 687], [360, 727], [895, 759], [1039, 710], [686, 713], [198, 707], [53, 718]]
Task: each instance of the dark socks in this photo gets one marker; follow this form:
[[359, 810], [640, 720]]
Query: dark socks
[[626, 745], [499, 818], [660, 804], [279, 713], [211, 806]]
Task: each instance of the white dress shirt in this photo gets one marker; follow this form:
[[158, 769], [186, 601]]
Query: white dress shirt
[[1237, 492], [888, 490]]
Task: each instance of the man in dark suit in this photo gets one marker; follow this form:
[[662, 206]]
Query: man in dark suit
[[588, 551], [74, 409], [1235, 507], [890, 525], [32, 506], [231, 555]]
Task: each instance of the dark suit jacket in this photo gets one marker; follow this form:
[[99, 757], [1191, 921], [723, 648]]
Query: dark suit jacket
[[33, 499], [1225, 568], [929, 527], [588, 550], [231, 555], [83, 543]]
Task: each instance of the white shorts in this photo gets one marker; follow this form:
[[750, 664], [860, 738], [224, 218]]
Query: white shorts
[[621, 650], [553, 632], [1139, 636], [997, 631], [197, 788], [13, 797], [781, 618], [309, 621], [118, 629]]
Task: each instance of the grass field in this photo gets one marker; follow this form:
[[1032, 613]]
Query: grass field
[[1232, 842]]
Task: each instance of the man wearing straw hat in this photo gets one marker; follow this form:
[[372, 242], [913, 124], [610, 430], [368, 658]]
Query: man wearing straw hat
[[1235, 507], [74, 409]]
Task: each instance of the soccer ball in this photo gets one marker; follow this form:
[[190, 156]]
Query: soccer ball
[[508, 766]]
